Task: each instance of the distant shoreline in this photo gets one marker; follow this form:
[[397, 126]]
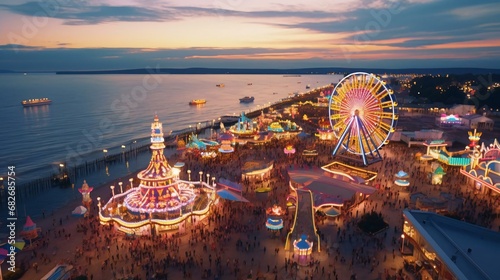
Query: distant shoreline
[[263, 71]]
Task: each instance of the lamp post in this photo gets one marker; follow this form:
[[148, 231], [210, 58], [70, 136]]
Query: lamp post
[[189, 175], [121, 187], [402, 242], [99, 204], [105, 153], [213, 181], [113, 191], [201, 176], [208, 179], [131, 180]]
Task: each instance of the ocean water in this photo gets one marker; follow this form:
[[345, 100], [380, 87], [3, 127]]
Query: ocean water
[[90, 113]]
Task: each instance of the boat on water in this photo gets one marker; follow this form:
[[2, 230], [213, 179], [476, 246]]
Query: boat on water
[[36, 102], [247, 99], [249, 84], [220, 85], [197, 102], [308, 86]]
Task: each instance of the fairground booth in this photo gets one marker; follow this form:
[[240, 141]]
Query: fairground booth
[[484, 171]]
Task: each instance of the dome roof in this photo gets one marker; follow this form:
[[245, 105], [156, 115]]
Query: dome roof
[[226, 136]]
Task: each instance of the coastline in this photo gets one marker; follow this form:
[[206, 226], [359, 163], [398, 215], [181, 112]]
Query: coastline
[[75, 173]]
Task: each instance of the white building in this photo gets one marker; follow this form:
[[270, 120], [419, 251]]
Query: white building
[[478, 122], [462, 110]]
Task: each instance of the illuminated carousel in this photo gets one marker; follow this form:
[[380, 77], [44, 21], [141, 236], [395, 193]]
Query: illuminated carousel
[[161, 201], [226, 140], [401, 179], [274, 220], [85, 190], [244, 128], [325, 131], [284, 129]]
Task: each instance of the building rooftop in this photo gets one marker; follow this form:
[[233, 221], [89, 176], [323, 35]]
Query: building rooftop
[[469, 251], [326, 189]]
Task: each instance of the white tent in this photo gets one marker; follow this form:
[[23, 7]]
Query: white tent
[[79, 211]]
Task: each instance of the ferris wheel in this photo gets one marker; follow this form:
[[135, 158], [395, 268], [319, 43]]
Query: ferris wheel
[[363, 114]]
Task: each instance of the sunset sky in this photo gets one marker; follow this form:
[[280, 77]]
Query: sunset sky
[[118, 34]]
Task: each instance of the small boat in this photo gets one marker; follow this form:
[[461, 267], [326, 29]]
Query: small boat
[[36, 102], [249, 84], [197, 102], [308, 86], [220, 85], [275, 93], [247, 99]]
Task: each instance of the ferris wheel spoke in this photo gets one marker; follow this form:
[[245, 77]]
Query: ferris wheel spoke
[[388, 116], [385, 126], [373, 107], [387, 105], [383, 94]]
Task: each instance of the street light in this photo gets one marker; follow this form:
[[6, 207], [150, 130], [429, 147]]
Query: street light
[[201, 176], [112, 191], [99, 203], [213, 181], [402, 241], [121, 188], [131, 180], [189, 175], [208, 179]]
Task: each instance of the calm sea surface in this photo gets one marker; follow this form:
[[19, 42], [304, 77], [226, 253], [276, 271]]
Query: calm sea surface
[[90, 113]]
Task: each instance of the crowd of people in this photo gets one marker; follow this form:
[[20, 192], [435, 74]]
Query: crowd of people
[[233, 242]]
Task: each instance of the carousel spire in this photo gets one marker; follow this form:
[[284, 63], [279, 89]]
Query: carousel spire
[[158, 166]]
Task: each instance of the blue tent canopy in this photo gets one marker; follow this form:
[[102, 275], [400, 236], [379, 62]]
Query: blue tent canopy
[[230, 195]]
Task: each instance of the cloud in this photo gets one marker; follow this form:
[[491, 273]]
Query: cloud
[[77, 13], [477, 11], [428, 22]]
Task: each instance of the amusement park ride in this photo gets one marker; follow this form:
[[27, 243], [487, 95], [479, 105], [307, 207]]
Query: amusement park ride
[[363, 114]]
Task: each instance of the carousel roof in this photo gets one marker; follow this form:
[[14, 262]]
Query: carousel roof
[[226, 136], [275, 221], [303, 244], [29, 225], [439, 171], [332, 212], [401, 174]]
